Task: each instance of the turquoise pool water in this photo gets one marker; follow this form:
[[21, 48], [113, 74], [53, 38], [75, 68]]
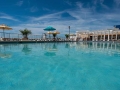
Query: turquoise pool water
[[60, 66]]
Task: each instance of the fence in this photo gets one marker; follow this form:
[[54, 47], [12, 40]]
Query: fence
[[16, 36]]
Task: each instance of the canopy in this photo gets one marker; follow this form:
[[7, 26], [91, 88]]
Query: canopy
[[56, 32], [49, 28], [4, 27]]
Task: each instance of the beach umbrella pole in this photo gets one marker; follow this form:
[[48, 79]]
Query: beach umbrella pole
[[4, 27]]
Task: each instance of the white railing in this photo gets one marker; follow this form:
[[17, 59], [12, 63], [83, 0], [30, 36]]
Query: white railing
[[16, 36], [31, 37]]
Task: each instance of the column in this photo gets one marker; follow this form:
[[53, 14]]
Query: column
[[108, 35], [112, 35], [93, 37], [97, 37], [88, 37], [101, 36], [116, 35], [104, 37]]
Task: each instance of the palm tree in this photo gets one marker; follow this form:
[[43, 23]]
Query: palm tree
[[67, 36], [25, 33]]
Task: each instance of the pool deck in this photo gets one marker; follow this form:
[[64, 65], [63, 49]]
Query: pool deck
[[5, 42]]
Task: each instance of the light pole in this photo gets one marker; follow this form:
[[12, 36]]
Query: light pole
[[69, 31]]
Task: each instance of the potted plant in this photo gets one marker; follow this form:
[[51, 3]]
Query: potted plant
[[25, 33], [54, 35], [67, 36]]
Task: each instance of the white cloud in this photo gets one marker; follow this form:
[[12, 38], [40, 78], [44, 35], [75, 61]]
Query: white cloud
[[19, 3], [69, 3], [47, 17], [34, 9], [85, 19], [117, 2], [5, 16], [95, 2], [79, 4], [46, 9], [103, 5]]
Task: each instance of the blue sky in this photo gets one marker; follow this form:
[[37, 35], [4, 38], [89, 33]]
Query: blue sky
[[79, 14]]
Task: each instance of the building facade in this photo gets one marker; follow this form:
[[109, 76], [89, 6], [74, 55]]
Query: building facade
[[99, 35]]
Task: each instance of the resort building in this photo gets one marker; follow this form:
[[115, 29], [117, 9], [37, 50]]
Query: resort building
[[99, 35]]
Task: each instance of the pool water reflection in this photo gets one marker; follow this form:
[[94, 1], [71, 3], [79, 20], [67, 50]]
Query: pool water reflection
[[60, 66]]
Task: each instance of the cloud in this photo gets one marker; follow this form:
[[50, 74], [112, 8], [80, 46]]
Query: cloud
[[85, 18], [117, 2], [103, 5], [95, 2], [46, 9], [68, 2], [34, 9], [79, 4], [19, 3], [48, 17], [5, 16]]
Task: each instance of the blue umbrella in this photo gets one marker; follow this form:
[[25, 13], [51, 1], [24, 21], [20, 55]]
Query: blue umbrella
[[49, 28]]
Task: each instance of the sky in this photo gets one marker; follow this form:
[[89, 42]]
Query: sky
[[80, 15]]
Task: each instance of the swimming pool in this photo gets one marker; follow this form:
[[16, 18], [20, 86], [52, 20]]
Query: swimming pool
[[60, 66]]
